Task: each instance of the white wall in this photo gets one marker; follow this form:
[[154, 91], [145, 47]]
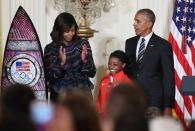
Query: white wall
[[34, 8], [114, 27]]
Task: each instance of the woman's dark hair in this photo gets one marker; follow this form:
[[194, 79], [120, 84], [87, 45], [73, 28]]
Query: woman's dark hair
[[17, 98], [15, 108], [126, 105], [120, 55], [63, 23], [85, 116]]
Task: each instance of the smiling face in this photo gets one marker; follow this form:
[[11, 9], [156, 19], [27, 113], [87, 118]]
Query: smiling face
[[142, 25], [68, 35], [115, 65]]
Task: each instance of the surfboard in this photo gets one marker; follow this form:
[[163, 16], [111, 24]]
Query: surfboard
[[23, 56]]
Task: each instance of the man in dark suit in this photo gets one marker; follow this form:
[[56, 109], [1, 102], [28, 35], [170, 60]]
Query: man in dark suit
[[151, 64]]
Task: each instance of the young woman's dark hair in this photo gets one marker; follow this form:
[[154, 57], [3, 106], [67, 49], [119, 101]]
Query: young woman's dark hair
[[120, 55], [63, 23]]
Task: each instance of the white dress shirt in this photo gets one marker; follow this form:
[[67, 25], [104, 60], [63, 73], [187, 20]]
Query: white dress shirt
[[147, 38]]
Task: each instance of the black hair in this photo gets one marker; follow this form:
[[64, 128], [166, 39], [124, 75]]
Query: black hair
[[148, 13], [126, 104], [17, 98], [15, 108], [120, 55], [82, 109], [63, 23]]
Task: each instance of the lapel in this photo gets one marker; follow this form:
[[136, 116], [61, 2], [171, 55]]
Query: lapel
[[135, 48], [135, 45], [149, 48], [132, 49]]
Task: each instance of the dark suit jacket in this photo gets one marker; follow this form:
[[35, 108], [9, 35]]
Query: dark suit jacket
[[156, 73]]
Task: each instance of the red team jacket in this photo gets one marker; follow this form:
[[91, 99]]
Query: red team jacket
[[106, 86]]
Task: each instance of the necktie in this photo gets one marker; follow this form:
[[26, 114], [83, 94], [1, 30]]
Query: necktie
[[141, 51]]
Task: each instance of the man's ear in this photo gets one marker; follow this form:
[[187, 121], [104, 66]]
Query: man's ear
[[150, 24]]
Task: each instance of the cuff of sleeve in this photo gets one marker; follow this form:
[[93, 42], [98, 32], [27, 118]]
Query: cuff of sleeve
[[87, 62]]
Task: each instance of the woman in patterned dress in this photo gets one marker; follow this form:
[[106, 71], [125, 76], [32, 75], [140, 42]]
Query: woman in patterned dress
[[68, 59]]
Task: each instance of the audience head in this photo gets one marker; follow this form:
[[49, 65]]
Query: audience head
[[62, 119], [16, 124], [82, 110], [192, 125], [17, 98], [165, 124], [117, 61], [15, 108], [126, 105]]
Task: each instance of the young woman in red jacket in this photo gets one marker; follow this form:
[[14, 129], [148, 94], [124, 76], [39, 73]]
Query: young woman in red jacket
[[116, 75]]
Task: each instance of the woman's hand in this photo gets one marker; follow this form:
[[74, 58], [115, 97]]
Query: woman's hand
[[84, 53], [62, 55]]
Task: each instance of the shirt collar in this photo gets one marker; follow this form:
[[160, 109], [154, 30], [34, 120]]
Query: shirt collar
[[147, 37]]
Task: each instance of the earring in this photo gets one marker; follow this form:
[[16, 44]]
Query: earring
[[124, 65]]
